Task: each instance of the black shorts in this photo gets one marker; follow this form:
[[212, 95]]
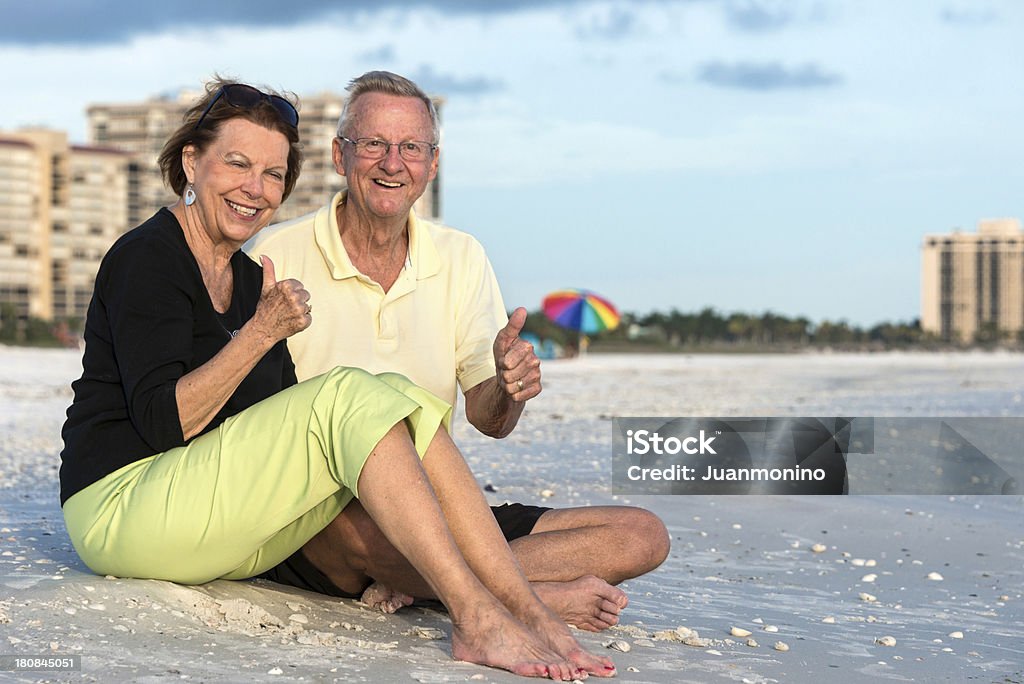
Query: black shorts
[[515, 520]]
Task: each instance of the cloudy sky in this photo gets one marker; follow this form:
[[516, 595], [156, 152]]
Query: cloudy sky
[[749, 155]]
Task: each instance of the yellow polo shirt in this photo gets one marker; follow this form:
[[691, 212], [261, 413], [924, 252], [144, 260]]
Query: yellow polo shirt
[[436, 325]]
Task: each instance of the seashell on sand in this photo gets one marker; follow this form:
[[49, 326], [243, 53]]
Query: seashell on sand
[[740, 632], [680, 633], [781, 646], [886, 641], [428, 633]]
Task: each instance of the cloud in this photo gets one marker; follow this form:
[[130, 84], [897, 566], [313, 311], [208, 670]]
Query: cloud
[[96, 22], [385, 53], [613, 24], [575, 150], [758, 15], [767, 76], [450, 85], [114, 21], [968, 17]]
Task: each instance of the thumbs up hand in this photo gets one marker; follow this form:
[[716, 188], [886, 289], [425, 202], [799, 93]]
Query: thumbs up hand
[[517, 365], [269, 277], [284, 308]]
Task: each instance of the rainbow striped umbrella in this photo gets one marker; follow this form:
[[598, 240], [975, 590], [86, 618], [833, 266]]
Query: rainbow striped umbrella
[[581, 310]]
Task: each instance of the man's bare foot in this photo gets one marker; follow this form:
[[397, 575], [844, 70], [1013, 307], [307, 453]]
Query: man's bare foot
[[385, 599], [489, 635], [588, 603]]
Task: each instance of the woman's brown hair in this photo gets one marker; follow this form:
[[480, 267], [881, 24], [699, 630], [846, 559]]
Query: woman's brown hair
[[262, 114]]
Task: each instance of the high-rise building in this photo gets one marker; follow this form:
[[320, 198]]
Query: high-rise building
[[22, 219], [140, 129], [61, 206], [143, 127], [972, 284]]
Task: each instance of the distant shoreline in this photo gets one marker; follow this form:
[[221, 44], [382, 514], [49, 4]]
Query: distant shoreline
[[616, 347], [643, 348]]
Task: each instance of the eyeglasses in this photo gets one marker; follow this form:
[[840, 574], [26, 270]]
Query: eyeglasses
[[246, 97], [375, 148]]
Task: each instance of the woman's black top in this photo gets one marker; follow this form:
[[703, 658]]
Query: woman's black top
[[150, 322]]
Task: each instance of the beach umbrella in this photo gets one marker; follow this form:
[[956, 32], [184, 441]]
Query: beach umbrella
[[581, 310]]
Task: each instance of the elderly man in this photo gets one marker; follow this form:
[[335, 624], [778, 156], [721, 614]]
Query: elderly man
[[393, 292]]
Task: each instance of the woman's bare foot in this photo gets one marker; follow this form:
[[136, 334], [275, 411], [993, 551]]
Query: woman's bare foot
[[489, 635], [385, 599], [588, 603], [555, 633]]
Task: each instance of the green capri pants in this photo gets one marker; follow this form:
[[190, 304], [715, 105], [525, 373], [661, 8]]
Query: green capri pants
[[243, 497]]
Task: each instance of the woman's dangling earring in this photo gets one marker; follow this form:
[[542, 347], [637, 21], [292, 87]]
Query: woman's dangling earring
[[190, 196]]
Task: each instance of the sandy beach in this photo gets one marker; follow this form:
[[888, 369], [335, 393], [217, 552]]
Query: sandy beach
[[830, 588]]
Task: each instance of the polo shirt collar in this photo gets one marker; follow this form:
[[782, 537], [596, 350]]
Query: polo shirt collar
[[422, 252]]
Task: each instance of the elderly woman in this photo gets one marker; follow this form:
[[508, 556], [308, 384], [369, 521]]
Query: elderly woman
[[191, 454]]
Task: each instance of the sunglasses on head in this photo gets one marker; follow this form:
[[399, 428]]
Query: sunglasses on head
[[246, 97]]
